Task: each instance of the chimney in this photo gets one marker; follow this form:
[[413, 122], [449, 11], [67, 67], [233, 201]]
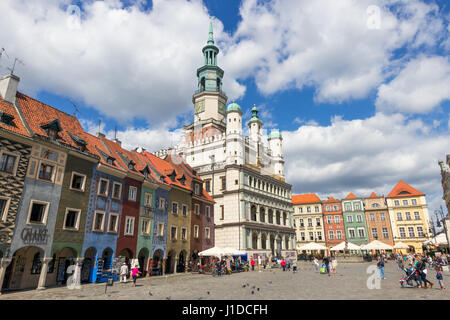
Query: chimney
[[118, 141], [100, 135], [8, 87]]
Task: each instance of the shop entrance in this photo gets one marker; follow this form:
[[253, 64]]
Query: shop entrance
[[181, 262], [157, 263], [87, 270], [24, 270], [142, 259], [170, 262]]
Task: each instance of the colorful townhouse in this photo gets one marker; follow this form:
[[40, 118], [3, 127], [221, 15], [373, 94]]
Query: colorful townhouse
[[377, 219], [202, 217], [179, 216], [104, 212], [408, 212], [308, 219], [354, 220], [333, 222], [15, 151]]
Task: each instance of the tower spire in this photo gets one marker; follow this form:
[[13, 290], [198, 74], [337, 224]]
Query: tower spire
[[210, 37]]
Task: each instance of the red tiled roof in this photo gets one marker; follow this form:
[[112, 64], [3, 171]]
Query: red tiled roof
[[330, 200], [305, 198], [17, 125], [94, 145], [373, 195], [351, 196], [119, 154], [403, 189]]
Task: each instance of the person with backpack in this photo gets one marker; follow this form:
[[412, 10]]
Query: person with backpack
[[326, 262], [422, 267], [440, 277]]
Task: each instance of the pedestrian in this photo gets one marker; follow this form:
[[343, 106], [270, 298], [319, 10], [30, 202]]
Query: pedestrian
[[380, 266], [326, 262], [423, 273], [283, 264], [259, 263], [266, 260], [316, 264], [294, 266], [252, 263], [123, 273], [288, 264], [134, 274], [440, 277], [334, 264]]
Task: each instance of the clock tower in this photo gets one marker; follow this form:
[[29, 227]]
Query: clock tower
[[209, 99]]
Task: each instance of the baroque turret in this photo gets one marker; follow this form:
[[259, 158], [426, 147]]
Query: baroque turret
[[235, 143]]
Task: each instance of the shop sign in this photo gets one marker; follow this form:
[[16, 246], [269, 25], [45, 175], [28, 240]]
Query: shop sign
[[34, 236]]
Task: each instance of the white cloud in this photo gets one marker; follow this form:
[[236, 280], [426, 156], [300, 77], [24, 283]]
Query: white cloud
[[362, 156], [420, 87], [124, 62]]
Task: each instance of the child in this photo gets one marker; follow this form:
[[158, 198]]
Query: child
[[134, 274], [316, 264], [294, 266], [440, 277]]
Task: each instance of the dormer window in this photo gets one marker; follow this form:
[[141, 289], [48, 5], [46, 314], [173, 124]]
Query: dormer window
[[52, 128], [51, 134], [6, 118], [110, 161], [79, 142], [182, 180], [131, 165]]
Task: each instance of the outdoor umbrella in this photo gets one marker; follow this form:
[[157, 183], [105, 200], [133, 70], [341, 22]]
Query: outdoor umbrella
[[312, 246], [213, 252], [377, 245], [401, 245], [341, 246], [439, 239], [233, 252]]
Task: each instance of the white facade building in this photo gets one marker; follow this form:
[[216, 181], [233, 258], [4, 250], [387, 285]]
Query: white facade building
[[253, 210]]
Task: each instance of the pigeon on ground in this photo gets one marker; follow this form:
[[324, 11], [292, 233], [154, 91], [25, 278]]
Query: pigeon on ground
[[257, 289], [167, 298], [150, 293], [207, 292], [243, 286], [253, 292]]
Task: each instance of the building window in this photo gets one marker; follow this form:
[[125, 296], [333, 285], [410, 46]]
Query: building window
[[329, 219], [129, 226], [316, 208], [174, 208], [382, 217], [308, 209], [302, 234], [408, 215], [113, 221], [385, 233], [375, 205], [148, 199], [46, 172], [103, 187], [222, 212], [349, 219], [162, 203], [8, 163], [348, 207], [98, 221], [399, 216], [208, 185], [420, 232], [414, 202], [145, 227], [160, 231], [208, 211], [301, 223], [78, 181], [197, 189], [207, 233], [132, 193], [319, 235], [336, 208], [351, 233], [416, 215], [173, 233], [357, 206], [185, 210], [72, 218], [196, 209], [405, 202], [117, 190], [331, 234], [411, 232], [38, 212], [402, 232], [339, 234], [359, 218], [372, 217], [310, 222], [183, 234], [4, 205], [396, 203], [223, 183], [337, 219], [328, 208], [361, 233], [317, 222], [300, 210], [311, 236], [196, 232]]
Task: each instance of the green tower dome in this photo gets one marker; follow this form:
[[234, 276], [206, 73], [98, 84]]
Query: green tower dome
[[234, 107], [275, 134]]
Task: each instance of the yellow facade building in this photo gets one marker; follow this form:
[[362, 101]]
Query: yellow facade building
[[408, 212]]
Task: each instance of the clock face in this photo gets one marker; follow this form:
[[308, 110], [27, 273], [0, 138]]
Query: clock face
[[200, 106], [222, 109], [211, 76]]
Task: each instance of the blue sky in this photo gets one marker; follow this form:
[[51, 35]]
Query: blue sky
[[359, 107]]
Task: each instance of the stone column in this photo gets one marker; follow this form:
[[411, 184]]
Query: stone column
[[163, 266], [258, 244], [43, 276], [175, 265], [266, 214], [4, 263], [257, 213], [250, 240], [149, 267]]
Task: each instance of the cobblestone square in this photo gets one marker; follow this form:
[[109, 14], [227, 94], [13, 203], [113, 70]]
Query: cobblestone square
[[349, 283]]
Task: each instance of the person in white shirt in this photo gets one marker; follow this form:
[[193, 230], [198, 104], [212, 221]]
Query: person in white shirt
[[316, 264], [123, 273], [259, 263]]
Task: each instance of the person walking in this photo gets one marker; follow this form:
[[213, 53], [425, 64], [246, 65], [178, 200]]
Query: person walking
[[316, 264], [334, 264], [134, 274], [288, 264], [283, 264], [440, 277], [123, 273], [252, 263], [326, 262], [380, 266], [294, 266], [423, 273], [259, 263]]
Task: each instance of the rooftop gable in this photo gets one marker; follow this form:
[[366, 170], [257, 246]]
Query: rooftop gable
[[402, 189], [305, 198]]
